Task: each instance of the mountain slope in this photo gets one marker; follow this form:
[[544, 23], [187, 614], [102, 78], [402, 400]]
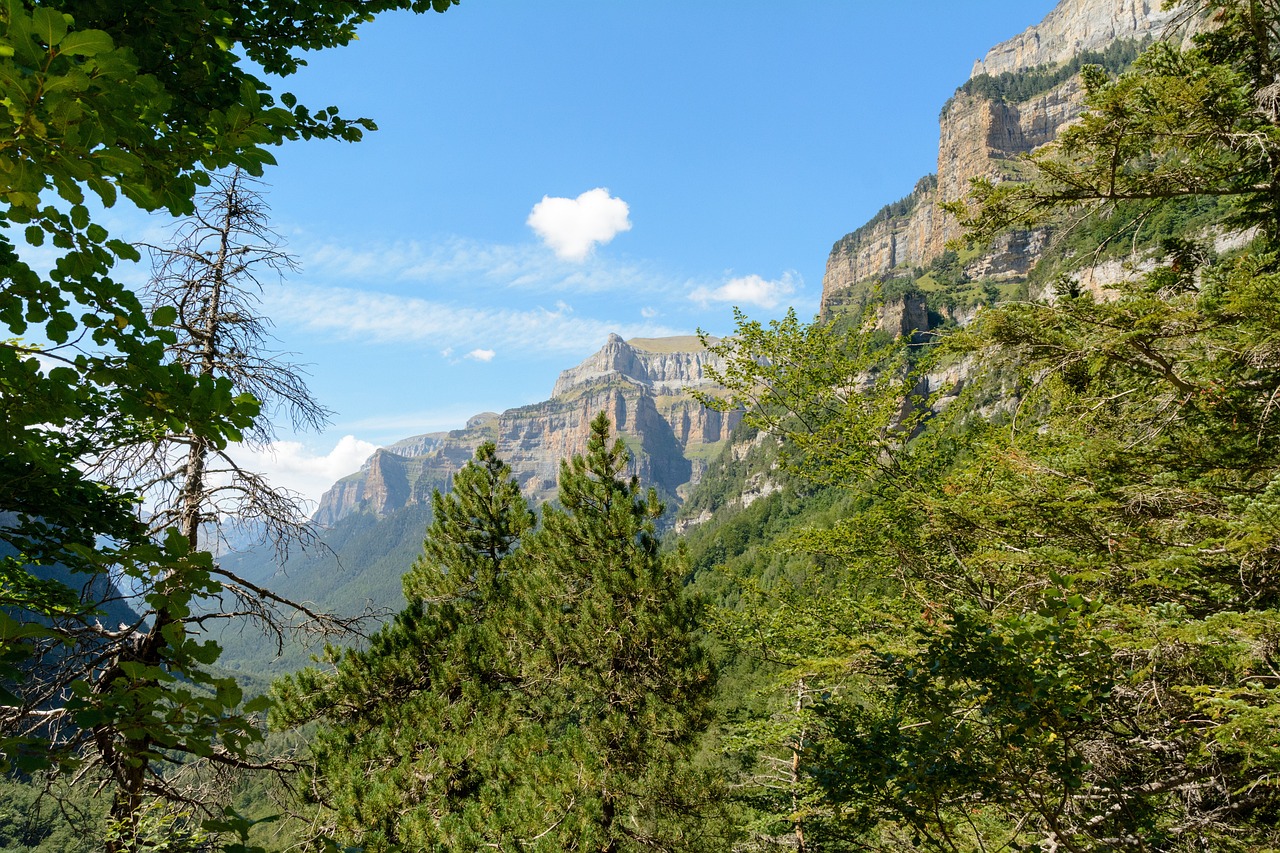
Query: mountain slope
[[643, 384]]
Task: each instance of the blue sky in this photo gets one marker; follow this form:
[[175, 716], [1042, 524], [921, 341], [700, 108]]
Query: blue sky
[[547, 172]]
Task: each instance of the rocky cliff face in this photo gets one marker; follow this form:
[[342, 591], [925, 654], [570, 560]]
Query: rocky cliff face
[[666, 365], [395, 477], [978, 137], [1075, 26], [642, 384], [982, 137]]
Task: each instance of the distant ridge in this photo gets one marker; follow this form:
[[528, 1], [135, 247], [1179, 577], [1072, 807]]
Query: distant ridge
[[643, 384]]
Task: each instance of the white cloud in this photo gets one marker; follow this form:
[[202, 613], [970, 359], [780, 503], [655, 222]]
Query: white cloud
[[748, 290], [382, 318], [648, 313], [481, 354], [290, 465], [572, 227]]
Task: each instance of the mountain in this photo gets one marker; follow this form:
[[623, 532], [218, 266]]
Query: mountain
[[723, 483], [1072, 28], [644, 384], [1020, 95], [375, 518]]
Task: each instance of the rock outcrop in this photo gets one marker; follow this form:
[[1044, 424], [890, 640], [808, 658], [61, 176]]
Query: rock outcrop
[[979, 138], [666, 365], [982, 137], [1073, 27], [643, 384]]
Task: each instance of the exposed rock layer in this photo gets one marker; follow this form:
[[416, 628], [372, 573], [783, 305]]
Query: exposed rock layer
[[644, 387], [1075, 26], [980, 137]]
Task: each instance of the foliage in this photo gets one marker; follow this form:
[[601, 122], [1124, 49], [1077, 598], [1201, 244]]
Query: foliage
[[542, 688], [1020, 86], [115, 99], [351, 568], [860, 406], [151, 693], [619, 681], [1180, 124], [1058, 616], [33, 820]]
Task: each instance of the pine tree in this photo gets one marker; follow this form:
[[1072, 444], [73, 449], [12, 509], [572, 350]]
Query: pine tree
[[413, 721], [543, 691], [618, 682]]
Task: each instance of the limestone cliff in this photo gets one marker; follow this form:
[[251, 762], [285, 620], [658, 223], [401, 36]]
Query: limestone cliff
[[1075, 26], [981, 135], [667, 365], [393, 477], [643, 385]]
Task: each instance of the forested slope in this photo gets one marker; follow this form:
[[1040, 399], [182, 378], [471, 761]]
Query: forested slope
[[999, 578], [1044, 615]]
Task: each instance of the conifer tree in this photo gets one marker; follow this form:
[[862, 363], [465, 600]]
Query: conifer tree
[[618, 682], [542, 691], [412, 722]]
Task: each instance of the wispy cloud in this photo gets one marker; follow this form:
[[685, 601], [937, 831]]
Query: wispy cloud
[[481, 355], [383, 318], [572, 227], [289, 464], [749, 290], [460, 262]]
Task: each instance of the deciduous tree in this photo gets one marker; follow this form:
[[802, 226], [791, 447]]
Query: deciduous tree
[[141, 102]]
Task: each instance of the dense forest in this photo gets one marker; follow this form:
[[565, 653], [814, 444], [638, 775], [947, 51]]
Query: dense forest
[[1039, 611]]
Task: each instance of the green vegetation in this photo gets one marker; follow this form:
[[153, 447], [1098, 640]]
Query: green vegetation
[[145, 103], [35, 821], [1125, 230], [542, 690], [1051, 626], [1044, 616], [1020, 86], [355, 568]]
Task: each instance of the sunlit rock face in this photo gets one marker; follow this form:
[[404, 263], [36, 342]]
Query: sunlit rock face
[[1075, 26], [644, 385], [980, 137]]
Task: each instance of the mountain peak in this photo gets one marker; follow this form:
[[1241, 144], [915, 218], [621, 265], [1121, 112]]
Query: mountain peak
[[667, 365]]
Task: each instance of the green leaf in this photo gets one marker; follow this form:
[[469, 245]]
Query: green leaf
[[86, 43], [48, 25], [165, 315]]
